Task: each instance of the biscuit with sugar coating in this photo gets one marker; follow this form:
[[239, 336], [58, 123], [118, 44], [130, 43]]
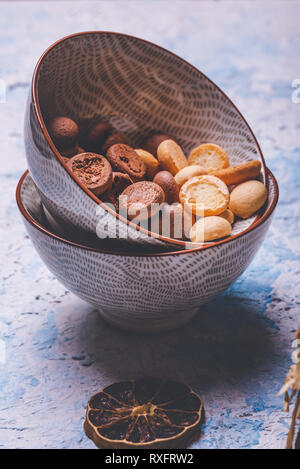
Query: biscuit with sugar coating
[[247, 198]]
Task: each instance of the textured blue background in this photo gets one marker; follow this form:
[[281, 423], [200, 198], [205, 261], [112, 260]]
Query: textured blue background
[[236, 353]]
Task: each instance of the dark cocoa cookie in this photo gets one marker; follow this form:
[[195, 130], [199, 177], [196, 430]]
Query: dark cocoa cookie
[[170, 187], [125, 160], [119, 183], [64, 132], [97, 135], [93, 171], [153, 141], [113, 139], [141, 200]]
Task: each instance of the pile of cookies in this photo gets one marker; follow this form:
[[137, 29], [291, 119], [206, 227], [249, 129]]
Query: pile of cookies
[[195, 198]]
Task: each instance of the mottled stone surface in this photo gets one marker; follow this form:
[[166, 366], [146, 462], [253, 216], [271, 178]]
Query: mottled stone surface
[[236, 353]]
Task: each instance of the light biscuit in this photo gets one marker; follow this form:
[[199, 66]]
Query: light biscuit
[[150, 161], [228, 215], [204, 195], [188, 172], [239, 173], [171, 156], [209, 229], [247, 198], [209, 155]]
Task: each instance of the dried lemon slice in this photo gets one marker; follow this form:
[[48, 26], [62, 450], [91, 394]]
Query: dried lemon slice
[[209, 155], [204, 195], [147, 413]]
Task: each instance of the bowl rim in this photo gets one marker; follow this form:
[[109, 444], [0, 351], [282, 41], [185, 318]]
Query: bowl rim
[[35, 100], [49, 233]]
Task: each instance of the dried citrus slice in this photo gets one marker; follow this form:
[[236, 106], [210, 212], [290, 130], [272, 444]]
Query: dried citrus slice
[[204, 195], [209, 155], [147, 413]]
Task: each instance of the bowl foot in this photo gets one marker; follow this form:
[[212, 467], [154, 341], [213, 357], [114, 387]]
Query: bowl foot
[[150, 323]]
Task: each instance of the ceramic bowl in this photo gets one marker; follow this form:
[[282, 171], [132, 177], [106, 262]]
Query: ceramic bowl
[[138, 87], [142, 292]]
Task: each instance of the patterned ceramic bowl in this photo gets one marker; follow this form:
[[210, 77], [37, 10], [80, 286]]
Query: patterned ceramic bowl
[[138, 87], [142, 292]]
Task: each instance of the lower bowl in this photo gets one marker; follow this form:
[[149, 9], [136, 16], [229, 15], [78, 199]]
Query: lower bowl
[[137, 291]]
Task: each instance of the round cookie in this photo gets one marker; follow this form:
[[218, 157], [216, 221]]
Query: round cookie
[[209, 229], [125, 160], [93, 171], [247, 198], [204, 195], [209, 155], [171, 156], [188, 172], [64, 132], [167, 182], [141, 200]]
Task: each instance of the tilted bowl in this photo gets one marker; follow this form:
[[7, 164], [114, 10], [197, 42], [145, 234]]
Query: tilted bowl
[[142, 292], [138, 87]]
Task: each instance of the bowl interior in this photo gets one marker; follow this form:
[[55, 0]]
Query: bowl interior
[[139, 87], [31, 207]]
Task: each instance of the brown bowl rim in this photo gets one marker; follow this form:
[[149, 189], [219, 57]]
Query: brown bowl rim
[[171, 241], [47, 232]]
